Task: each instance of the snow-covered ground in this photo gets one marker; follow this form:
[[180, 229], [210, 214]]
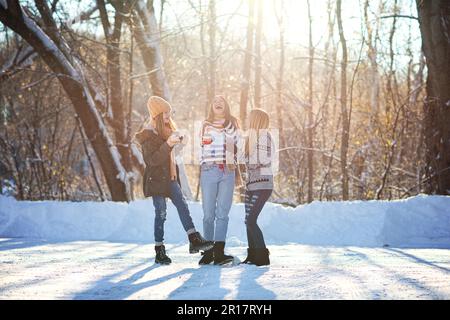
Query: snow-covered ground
[[35, 269], [330, 250]]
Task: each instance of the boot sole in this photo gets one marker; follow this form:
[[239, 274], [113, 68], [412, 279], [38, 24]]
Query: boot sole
[[203, 248], [256, 265], [223, 262]]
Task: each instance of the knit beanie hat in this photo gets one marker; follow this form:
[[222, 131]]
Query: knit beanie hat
[[157, 105]]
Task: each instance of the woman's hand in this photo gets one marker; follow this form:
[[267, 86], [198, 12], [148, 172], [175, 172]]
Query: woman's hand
[[173, 140]]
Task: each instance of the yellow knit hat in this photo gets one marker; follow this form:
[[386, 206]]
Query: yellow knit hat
[[157, 105]]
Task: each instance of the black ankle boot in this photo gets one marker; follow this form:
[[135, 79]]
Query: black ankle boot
[[219, 256], [261, 257], [161, 256], [250, 256], [208, 257], [197, 243]]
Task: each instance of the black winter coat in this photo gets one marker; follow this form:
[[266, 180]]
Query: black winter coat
[[156, 153]]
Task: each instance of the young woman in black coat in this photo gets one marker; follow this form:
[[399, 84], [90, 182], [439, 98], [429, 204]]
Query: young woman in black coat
[[161, 176]]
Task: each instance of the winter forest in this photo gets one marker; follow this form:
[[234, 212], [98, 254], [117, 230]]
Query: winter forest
[[359, 91]]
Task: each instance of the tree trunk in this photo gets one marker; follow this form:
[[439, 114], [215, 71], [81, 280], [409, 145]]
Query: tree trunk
[[245, 82], [204, 66], [113, 65], [374, 74], [145, 31], [212, 51], [280, 79], [310, 110], [344, 111], [434, 18], [258, 62]]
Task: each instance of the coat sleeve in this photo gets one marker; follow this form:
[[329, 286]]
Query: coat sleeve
[[156, 155]]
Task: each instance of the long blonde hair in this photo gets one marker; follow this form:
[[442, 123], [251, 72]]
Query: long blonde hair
[[258, 120]]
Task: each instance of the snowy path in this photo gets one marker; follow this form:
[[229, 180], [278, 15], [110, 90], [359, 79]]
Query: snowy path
[[35, 269]]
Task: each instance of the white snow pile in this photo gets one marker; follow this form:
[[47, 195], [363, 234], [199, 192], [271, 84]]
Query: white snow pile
[[421, 221]]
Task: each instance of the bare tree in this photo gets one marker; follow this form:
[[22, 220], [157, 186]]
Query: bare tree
[[310, 108], [53, 49], [212, 50], [343, 98], [372, 53], [280, 13], [146, 32], [434, 18], [245, 82], [258, 59], [113, 35]]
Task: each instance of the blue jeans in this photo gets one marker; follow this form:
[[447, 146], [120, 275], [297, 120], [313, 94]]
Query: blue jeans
[[254, 203], [217, 196], [180, 203]]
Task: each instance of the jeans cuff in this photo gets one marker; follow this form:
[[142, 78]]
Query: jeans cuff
[[191, 231]]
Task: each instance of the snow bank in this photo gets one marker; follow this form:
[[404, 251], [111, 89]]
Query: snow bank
[[421, 221]]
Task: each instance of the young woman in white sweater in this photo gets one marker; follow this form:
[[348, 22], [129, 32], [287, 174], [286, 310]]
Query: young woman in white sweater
[[258, 152]]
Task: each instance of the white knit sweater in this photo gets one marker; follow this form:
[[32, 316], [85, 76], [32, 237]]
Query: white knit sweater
[[223, 147]]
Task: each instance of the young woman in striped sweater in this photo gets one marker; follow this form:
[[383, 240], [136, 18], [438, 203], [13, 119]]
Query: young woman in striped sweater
[[259, 183], [220, 137]]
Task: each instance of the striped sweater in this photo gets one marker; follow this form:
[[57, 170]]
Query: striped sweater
[[223, 147]]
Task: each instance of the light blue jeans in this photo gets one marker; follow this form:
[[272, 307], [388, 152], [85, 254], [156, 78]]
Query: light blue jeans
[[217, 196]]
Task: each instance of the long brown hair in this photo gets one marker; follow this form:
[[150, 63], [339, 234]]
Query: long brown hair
[[228, 116], [258, 120]]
